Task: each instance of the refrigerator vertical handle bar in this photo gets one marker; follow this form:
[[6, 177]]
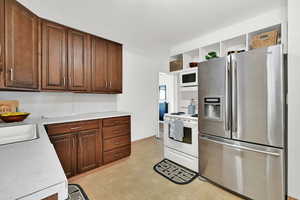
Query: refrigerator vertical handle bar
[[234, 95], [227, 96]]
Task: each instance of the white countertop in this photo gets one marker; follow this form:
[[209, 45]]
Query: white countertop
[[82, 117], [32, 166]]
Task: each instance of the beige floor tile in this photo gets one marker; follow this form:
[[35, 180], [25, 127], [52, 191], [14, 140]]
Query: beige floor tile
[[134, 179]]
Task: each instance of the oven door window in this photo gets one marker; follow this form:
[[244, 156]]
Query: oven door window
[[187, 135]]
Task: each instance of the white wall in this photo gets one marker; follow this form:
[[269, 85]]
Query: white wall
[[60, 104], [140, 92], [294, 96]]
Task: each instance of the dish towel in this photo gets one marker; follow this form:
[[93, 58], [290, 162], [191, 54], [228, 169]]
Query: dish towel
[[178, 130], [171, 128]]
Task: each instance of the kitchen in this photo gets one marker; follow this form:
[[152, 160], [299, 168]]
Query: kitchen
[[92, 94]]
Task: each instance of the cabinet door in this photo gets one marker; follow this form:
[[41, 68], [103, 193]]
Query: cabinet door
[[99, 65], [78, 60], [2, 43], [22, 46], [54, 56], [115, 67], [66, 149], [89, 150]]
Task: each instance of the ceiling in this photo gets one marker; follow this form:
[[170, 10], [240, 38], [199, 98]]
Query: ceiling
[[150, 23]]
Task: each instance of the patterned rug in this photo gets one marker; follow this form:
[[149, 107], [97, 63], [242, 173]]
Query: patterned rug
[[175, 172], [76, 192]]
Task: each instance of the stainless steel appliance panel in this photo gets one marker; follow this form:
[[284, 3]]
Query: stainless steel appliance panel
[[258, 96], [214, 99], [254, 171]]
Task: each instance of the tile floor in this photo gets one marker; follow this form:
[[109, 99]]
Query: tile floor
[[134, 179]]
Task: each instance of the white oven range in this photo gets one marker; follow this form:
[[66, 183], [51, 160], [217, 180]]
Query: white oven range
[[184, 151]]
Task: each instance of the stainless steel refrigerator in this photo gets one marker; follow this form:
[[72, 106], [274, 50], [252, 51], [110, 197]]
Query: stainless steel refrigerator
[[242, 123]]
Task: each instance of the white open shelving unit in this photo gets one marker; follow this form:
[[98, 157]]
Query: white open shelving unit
[[183, 95], [241, 42]]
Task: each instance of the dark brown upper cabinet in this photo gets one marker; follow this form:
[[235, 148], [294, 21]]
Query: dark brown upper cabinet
[[54, 56], [78, 61], [114, 67], [106, 66], [99, 65], [22, 36], [40, 55]]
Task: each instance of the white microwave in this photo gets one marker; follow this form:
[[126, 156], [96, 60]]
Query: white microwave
[[189, 78]]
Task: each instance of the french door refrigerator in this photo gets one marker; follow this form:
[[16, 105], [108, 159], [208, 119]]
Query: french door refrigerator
[[242, 123]]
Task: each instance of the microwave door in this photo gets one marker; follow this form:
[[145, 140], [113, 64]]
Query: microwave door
[[214, 97], [188, 78], [258, 96]]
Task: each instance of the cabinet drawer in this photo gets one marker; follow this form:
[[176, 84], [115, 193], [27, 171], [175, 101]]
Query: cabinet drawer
[[116, 121], [116, 142], [116, 154], [115, 131], [54, 129]]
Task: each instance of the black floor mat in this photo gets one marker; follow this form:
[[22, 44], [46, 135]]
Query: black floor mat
[[175, 172], [76, 192]]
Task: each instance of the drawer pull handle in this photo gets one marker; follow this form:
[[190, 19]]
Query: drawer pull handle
[[118, 155], [74, 128], [116, 131]]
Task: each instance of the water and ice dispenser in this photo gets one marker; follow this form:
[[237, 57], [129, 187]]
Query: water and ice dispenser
[[212, 108]]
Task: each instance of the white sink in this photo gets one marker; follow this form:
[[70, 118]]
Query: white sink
[[20, 133]]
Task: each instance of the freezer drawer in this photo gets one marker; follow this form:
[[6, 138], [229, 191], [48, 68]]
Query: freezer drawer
[[252, 170]]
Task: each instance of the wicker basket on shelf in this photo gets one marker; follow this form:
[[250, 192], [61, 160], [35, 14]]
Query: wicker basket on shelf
[[265, 39]]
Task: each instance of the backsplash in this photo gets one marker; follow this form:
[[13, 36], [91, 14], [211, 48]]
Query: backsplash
[[59, 104]]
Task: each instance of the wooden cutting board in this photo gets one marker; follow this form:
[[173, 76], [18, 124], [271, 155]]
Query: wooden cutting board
[[9, 106]]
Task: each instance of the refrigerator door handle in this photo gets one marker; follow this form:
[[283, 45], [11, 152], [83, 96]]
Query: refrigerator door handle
[[240, 147], [234, 95], [227, 96]]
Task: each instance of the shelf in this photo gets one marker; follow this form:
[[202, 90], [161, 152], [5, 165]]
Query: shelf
[[192, 88], [176, 57], [191, 56], [234, 44], [241, 42], [268, 29], [206, 49]]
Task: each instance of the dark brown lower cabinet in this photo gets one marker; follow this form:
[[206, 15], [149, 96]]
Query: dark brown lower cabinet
[[116, 138], [116, 154], [89, 150], [85, 145], [66, 149]]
